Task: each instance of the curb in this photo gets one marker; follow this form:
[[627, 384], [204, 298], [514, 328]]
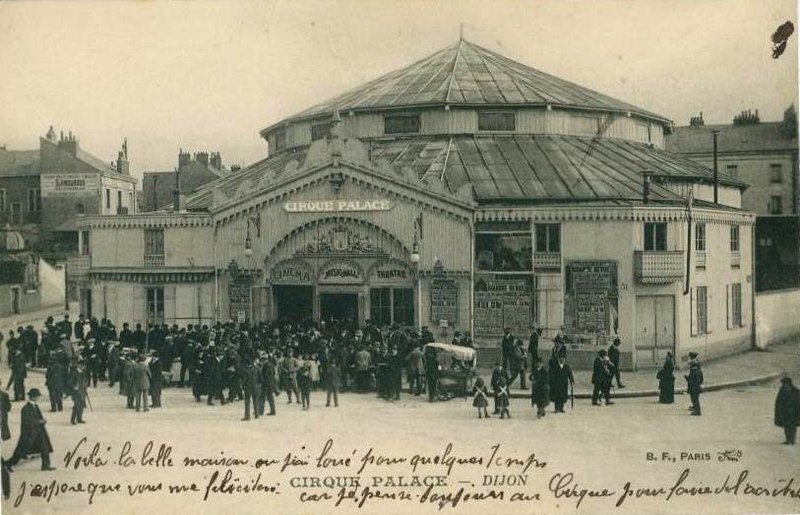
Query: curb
[[629, 394]]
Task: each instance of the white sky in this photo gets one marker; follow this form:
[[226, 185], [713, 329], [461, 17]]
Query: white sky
[[209, 76]]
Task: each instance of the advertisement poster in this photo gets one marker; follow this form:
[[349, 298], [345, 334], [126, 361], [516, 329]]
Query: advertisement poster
[[620, 124]]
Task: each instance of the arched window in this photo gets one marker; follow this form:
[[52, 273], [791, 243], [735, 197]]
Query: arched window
[[79, 208]]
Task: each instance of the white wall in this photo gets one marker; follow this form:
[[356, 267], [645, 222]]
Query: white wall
[[776, 316]]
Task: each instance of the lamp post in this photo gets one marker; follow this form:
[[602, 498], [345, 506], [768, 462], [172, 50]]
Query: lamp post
[[415, 262]]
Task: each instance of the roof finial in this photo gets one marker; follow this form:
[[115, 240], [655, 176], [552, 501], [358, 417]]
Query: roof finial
[[461, 32]]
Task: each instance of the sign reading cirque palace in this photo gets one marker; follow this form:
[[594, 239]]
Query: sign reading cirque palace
[[337, 205]]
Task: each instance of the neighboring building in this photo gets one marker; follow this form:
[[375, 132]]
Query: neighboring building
[[765, 156], [762, 154], [464, 192], [159, 187], [43, 192], [27, 282]]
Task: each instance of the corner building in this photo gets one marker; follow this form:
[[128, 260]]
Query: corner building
[[464, 192]]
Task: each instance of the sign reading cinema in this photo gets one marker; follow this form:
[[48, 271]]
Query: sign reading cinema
[[337, 206]]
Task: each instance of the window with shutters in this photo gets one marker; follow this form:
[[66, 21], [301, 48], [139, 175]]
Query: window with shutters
[[34, 200], [735, 238], [155, 306], [154, 248], [734, 305], [701, 309], [775, 205], [700, 237]]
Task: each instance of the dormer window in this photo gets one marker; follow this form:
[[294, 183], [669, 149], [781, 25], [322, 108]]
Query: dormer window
[[280, 140], [497, 121], [401, 124], [320, 131]]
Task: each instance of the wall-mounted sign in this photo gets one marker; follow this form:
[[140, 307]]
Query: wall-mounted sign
[[591, 296], [291, 272], [70, 184], [444, 300], [340, 272], [337, 205], [390, 272]]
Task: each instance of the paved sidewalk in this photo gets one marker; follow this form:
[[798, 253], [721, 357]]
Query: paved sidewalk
[[750, 367]]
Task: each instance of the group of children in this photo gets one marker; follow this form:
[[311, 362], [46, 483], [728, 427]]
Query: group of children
[[540, 396]]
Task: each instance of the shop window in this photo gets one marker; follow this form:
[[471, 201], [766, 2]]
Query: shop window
[[497, 121], [403, 306], [655, 236], [497, 252], [155, 306], [380, 306], [548, 238], [401, 124], [320, 131], [735, 238], [775, 205], [775, 173], [700, 237]]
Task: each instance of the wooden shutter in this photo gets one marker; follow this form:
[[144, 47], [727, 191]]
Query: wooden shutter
[[693, 310], [729, 304], [743, 307]]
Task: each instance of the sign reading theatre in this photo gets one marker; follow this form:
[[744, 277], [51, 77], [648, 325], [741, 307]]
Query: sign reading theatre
[[337, 206]]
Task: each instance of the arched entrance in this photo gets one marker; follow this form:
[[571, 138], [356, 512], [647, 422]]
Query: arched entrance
[[342, 269]]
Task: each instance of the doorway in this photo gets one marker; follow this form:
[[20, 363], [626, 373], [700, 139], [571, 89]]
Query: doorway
[[294, 303], [339, 306], [655, 329]]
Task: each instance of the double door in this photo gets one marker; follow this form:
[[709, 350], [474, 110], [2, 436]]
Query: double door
[[655, 329]]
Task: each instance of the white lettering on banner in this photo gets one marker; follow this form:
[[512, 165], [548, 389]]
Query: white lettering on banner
[[70, 184], [338, 206]]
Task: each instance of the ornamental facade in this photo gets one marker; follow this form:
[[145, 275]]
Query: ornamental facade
[[466, 192]]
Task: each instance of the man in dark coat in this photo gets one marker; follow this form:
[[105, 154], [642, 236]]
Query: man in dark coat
[[560, 380], [613, 356], [33, 437], [126, 336], [78, 390], [332, 382], [787, 410], [533, 345], [5, 407], [19, 372], [507, 348], [540, 388], [431, 372], [55, 381], [156, 380], [602, 373], [416, 367], [113, 363], [251, 384], [518, 363], [139, 338], [268, 387], [694, 382]]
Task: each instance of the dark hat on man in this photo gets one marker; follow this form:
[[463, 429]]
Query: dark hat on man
[[692, 355], [34, 392], [786, 380]]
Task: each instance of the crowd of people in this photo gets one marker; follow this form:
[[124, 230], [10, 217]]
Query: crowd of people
[[228, 362]]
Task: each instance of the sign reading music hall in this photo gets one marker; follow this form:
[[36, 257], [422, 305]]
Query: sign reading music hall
[[337, 206]]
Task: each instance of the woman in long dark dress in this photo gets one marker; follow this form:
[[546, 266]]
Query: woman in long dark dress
[[666, 381]]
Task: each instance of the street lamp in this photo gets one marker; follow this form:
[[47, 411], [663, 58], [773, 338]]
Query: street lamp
[[415, 262]]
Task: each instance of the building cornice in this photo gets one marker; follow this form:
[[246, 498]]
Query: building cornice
[[612, 214], [146, 221]]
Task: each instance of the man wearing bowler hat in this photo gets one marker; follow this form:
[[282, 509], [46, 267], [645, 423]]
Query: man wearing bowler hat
[[33, 437]]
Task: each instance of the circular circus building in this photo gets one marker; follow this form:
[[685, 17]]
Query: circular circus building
[[466, 192]]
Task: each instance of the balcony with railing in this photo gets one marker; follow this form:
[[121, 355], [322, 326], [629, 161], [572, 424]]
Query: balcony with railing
[[736, 259], [547, 261], [699, 259], [658, 267], [154, 261]]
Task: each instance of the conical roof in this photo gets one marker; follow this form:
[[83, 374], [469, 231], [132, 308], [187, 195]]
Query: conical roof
[[467, 74]]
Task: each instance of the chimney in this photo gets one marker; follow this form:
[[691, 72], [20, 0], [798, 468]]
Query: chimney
[[697, 121], [202, 158], [716, 168], [123, 166], [235, 168], [216, 160], [183, 158], [176, 195], [646, 187], [747, 117], [51, 134], [68, 144]]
